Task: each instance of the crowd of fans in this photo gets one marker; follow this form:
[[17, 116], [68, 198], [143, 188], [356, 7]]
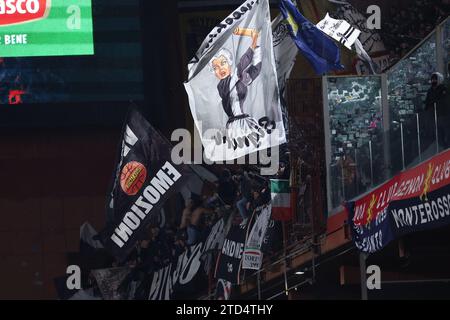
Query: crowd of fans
[[236, 192], [406, 26]]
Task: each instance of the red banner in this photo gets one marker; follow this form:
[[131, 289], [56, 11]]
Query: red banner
[[21, 11], [414, 183]]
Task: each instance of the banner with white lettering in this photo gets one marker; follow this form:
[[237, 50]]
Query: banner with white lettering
[[415, 200], [215, 240], [181, 273], [144, 180], [253, 256], [228, 265], [233, 88]]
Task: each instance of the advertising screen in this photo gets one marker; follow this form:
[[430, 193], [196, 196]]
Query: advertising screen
[[45, 28], [56, 52]]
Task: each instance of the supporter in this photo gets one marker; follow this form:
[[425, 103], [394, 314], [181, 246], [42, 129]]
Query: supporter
[[187, 211], [348, 165], [283, 171], [227, 188], [196, 228], [245, 197], [444, 113], [436, 93], [179, 245], [404, 28], [376, 121], [437, 96], [265, 195], [257, 197]]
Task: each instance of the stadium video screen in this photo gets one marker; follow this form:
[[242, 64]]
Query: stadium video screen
[[69, 51], [45, 28]]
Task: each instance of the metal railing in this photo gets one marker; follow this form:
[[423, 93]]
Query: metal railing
[[390, 130], [412, 140]]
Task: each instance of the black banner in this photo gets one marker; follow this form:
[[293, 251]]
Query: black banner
[[273, 238], [229, 262], [180, 275], [144, 180], [414, 215]]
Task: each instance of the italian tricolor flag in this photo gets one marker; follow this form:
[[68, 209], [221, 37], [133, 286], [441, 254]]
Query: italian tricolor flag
[[281, 200]]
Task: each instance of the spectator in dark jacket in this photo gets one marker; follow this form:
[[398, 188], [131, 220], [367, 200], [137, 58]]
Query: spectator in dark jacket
[[437, 92], [438, 95], [227, 188], [246, 194]]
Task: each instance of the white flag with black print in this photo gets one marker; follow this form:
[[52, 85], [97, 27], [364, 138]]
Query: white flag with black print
[[339, 30], [369, 43], [233, 88], [347, 35]]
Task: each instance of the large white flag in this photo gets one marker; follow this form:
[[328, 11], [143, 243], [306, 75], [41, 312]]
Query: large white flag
[[233, 88]]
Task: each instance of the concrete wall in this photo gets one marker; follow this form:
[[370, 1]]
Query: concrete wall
[[50, 183]]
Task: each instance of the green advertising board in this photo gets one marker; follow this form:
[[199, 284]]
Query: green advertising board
[[45, 28]]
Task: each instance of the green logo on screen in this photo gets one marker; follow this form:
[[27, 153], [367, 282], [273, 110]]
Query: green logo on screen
[[45, 28]]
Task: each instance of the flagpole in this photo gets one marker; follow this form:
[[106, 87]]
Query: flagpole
[[313, 227], [286, 286], [210, 280], [259, 285]]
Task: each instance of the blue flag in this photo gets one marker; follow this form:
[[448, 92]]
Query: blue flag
[[318, 48]]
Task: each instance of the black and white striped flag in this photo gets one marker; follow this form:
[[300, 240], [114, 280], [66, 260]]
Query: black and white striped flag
[[346, 34], [339, 30]]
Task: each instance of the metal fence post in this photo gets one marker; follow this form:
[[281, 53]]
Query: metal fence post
[[403, 145], [436, 127], [371, 162], [418, 137]]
